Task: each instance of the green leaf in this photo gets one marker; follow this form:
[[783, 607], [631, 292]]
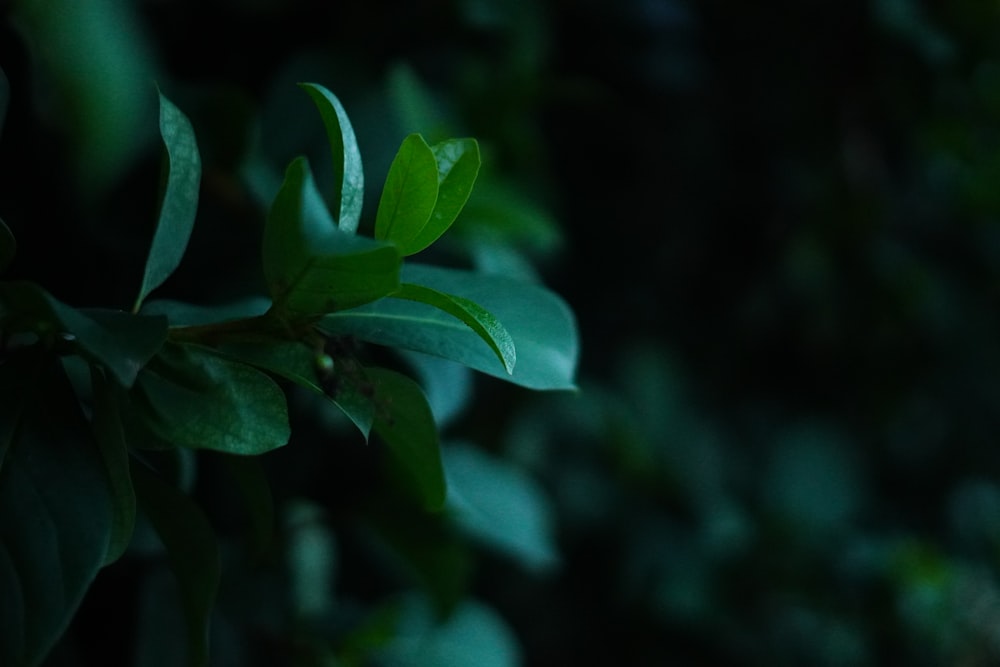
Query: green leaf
[[107, 427], [180, 199], [312, 267], [8, 246], [192, 549], [540, 323], [458, 165], [179, 313], [120, 341], [500, 506], [348, 176], [346, 384], [55, 509], [409, 195], [474, 316], [191, 396], [404, 422]]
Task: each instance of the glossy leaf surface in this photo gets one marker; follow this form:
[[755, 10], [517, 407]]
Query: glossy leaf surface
[[312, 267], [193, 397], [458, 165], [348, 390], [348, 175], [55, 509], [539, 322], [180, 199], [120, 341], [486, 326], [193, 552], [404, 421], [409, 196]]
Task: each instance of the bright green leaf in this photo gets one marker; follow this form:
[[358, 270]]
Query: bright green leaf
[[501, 506], [111, 443], [458, 165], [192, 550], [180, 199], [55, 509], [540, 323], [117, 340], [312, 267], [404, 421], [409, 195], [346, 384], [8, 246], [486, 326], [348, 176], [191, 396]]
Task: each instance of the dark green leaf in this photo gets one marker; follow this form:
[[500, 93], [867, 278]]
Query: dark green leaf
[[180, 199], [409, 195], [404, 421], [499, 505], [192, 549], [55, 509], [312, 267], [192, 397], [540, 323], [346, 384], [120, 341], [111, 443], [179, 313], [8, 246], [348, 176], [474, 316], [458, 165]]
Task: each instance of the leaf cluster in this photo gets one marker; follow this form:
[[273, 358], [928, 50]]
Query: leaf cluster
[[92, 401]]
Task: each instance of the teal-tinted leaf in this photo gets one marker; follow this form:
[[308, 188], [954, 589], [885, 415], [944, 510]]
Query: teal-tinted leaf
[[409, 195], [192, 550], [108, 431], [192, 397], [473, 634], [55, 509], [458, 165], [404, 421], [117, 340], [8, 246], [179, 313], [447, 385], [540, 323], [180, 199], [346, 384], [348, 176], [486, 326], [500, 506], [312, 267]]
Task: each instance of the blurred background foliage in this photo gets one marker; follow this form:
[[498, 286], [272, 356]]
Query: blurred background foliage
[[778, 224]]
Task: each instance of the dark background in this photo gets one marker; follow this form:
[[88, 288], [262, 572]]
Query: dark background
[[776, 222]]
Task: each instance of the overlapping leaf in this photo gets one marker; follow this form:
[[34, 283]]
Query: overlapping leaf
[[180, 199], [119, 341], [55, 509], [404, 421], [425, 190], [312, 267], [348, 175], [539, 322], [190, 396]]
